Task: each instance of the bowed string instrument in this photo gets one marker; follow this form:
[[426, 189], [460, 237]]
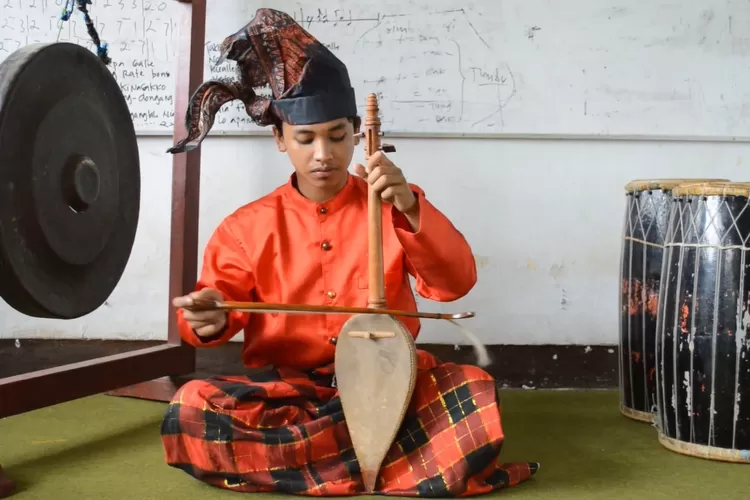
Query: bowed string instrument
[[376, 302]]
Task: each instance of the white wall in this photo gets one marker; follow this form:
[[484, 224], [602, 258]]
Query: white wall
[[548, 261]]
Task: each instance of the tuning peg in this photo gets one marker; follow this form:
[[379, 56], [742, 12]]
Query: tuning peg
[[361, 135], [388, 148]]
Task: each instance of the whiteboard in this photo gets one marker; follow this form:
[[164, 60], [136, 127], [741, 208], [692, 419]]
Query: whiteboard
[[482, 67]]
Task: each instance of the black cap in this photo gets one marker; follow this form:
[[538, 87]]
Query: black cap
[[308, 83]]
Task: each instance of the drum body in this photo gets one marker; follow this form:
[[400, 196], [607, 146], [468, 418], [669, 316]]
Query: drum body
[[703, 355], [646, 219]]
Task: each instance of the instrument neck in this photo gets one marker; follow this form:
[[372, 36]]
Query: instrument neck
[[375, 251], [375, 218]]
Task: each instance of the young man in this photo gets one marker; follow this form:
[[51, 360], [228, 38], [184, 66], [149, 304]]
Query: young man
[[281, 427]]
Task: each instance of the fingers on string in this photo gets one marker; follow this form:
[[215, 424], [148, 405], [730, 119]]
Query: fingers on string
[[385, 182], [378, 159], [360, 170]]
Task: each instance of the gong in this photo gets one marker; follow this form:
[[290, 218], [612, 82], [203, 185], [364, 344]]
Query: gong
[[69, 181]]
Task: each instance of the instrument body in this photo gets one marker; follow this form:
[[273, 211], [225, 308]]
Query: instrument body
[[376, 357], [648, 202], [703, 348]]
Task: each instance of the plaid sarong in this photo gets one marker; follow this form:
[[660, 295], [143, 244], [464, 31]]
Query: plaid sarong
[[283, 431]]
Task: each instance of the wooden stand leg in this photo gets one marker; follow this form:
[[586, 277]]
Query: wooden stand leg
[[160, 389], [6, 485]]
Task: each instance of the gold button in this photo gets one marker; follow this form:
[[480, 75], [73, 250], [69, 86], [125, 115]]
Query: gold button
[[332, 294], [326, 246]]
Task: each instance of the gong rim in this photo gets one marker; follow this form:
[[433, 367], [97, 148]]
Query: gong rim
[[59, 259]]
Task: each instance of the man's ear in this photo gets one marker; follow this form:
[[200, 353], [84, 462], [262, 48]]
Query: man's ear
[[280, 145]]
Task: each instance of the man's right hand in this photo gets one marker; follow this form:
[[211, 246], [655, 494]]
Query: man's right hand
[[204, 323]]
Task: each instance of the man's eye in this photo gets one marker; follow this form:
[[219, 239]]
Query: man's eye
[[338, 139]]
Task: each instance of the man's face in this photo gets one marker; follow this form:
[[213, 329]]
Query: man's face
[[321, 153]]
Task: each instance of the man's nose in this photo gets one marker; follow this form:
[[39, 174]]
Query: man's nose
[[322, 150]]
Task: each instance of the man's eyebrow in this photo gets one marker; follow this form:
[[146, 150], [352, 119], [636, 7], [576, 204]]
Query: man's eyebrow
[[333, 128]]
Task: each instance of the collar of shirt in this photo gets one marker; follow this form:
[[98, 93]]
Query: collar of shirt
[[351, 191]]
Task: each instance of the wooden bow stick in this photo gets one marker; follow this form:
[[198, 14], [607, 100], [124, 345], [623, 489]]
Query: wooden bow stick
[[263, 307]]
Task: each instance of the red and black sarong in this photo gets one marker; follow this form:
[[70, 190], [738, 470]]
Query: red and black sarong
[[283, 431]]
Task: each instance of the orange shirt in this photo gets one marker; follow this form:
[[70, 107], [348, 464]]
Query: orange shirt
[[285, 248]]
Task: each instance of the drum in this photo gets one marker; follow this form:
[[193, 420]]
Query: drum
[[703, 347], [646, 218]]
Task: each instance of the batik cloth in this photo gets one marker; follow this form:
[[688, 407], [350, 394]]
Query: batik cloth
[[308, 83]]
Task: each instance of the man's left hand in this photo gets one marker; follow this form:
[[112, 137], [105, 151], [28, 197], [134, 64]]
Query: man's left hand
[[388, 180]]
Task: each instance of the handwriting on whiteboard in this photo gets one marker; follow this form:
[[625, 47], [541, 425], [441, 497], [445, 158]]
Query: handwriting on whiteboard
[[428, 67], [140, 35]]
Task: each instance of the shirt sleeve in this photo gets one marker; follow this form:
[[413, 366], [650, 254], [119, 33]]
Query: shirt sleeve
[[437, 255], [225, 269]]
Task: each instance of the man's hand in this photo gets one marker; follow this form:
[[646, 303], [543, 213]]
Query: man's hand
[[388, 180], [204, 323]]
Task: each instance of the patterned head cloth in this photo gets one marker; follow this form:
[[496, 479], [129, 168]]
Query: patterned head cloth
[[309, 84]]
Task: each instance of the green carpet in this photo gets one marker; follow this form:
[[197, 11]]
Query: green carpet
[[109, 448]]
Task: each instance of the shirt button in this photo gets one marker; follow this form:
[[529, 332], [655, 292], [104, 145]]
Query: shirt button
[[332, 294], [323, 210], [325, 246]]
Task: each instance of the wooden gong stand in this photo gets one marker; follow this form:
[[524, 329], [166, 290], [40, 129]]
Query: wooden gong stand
[[153, 368]]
